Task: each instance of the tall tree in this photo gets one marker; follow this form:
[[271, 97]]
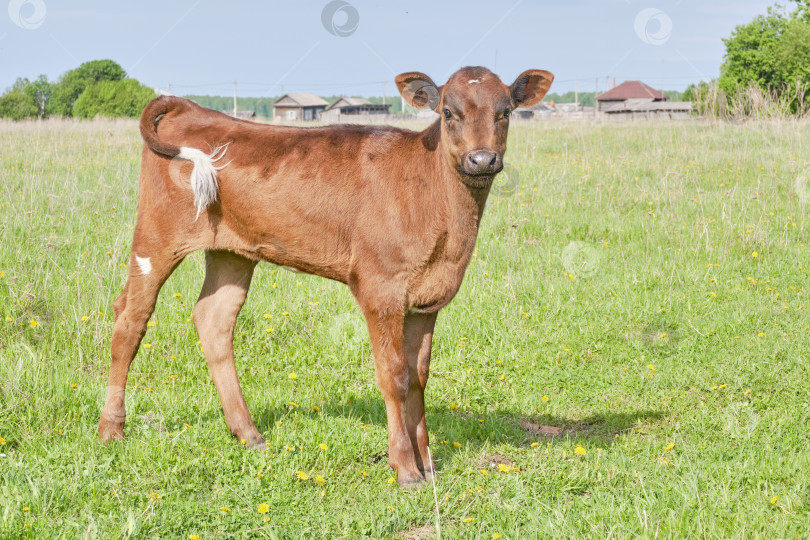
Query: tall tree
[[71, 85]]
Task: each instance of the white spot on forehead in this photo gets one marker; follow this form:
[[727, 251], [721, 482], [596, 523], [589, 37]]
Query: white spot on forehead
[[474, 81], [144, 264]]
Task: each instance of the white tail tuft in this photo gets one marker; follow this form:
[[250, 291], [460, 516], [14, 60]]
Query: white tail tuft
[[204, 175]]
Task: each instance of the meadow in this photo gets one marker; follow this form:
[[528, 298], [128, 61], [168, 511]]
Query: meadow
[[627, 356]]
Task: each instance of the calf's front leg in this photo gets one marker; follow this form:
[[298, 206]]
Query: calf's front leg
[[418, 333], [386, 330]]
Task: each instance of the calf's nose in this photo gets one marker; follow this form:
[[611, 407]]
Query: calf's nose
[[482, 162]]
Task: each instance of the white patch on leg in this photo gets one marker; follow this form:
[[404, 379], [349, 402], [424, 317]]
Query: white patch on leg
[[204, 175], [144, 264]]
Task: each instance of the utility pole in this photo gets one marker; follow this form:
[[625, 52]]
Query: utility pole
[[576, 92], [403, 104], [596, 93], [234, 98], [383, 92]]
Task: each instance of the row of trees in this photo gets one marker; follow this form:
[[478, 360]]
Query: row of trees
[[96, 88], [766, 68]]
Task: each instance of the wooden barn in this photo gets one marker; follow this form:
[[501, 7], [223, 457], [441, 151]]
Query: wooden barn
[[633, 100], [635, 90], [352, 106], [297, 107]]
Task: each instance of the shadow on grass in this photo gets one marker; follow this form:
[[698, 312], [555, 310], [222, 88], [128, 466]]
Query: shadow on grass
[[474, 430]]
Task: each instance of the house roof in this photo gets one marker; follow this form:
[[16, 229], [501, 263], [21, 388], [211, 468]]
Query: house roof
[[631, 90], [300, 99], [349, 102]]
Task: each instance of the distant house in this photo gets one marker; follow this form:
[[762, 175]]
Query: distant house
[[352, 106], [634, 99], [298, 106], [541, 110], [243, 115], [636, 90]]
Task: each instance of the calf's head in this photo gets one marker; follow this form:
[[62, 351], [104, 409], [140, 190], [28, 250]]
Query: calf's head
[[474, 106]]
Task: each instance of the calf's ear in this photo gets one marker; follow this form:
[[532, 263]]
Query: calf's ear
[[530, 87], [418, 90]]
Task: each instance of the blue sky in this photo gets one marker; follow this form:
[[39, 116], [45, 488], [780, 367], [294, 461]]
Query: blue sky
[[201, 46]]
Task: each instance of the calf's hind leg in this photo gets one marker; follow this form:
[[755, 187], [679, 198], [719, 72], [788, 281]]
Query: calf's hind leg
[[227, 279], [132, 309]]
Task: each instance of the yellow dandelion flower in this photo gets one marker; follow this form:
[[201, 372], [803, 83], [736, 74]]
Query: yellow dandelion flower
[[320, 479], [453, 407], [747, 392], [26, 509], [178, 295], [155, 495], [755, 255], [286, 313], [495, 536], [483, 471], [663, 460], [224, 509], [147, 345], [503, 468], [391, 481], [315, 408], [259, 475], [302, 475], [293, 404], [293, 376], [544, 399], [289, 448], [580, 451], [669, 447], [480, 420], [73, 385], [761, 334], [267, 519], [33, 323], [468, 520], [390, 508], [2, 441], [365, 474], [323, 446], [150, 323], [267, 316], [457, 444], [194, 537], [263, 508], [535, 444], [502, 377], [774, 499], [84, 318]]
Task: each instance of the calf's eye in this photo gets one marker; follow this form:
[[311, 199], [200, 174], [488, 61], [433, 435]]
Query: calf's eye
[[506, 113], [447, 114]]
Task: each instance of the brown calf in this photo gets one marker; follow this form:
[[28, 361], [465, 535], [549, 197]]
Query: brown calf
[[392, 213]]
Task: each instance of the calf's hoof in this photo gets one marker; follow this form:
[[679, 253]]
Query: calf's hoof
[[411, 481], [109, 430]]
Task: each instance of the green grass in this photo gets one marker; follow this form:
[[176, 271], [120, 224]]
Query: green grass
[[615, 296]]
